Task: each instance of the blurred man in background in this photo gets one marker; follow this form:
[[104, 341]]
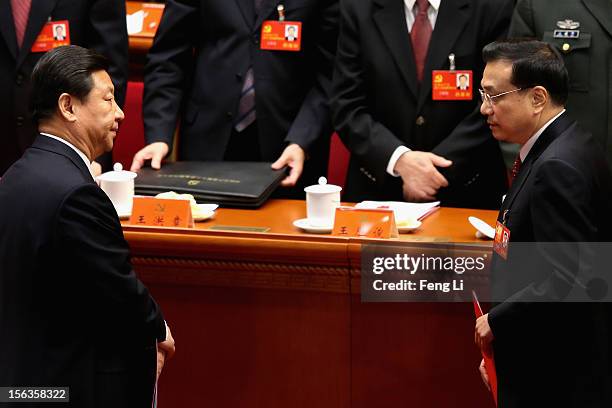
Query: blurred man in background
[[26, 28]]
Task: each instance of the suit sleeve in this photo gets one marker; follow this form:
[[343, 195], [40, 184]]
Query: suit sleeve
[[313, 119], [563, 218], [366, 138], [168, 69], [89, 234], [108, 36]]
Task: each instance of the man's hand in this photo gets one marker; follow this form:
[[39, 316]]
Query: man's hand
[[484, 375], [419, 174], [293, 156], [154, 152], [165, 350], [96, 169], [483, 336]]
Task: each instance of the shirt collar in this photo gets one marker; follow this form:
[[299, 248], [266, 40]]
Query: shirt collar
[[435, 4], [80, 153], [529, 144]]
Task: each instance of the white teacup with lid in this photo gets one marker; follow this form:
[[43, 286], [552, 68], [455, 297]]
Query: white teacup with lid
[[119, 187], [321, 202]]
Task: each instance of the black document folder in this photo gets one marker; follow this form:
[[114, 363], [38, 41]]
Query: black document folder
[[229, 184]]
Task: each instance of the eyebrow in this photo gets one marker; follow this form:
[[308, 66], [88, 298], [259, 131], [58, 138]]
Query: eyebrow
[[487, 88]]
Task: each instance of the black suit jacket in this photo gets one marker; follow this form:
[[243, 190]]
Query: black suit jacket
[[197, 65], [550, 353], [379, 105], [72, 311], [96, 24]]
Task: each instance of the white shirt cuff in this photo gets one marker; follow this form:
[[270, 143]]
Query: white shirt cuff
[[394, 158]]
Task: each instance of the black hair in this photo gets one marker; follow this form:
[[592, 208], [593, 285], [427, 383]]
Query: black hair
[[534, 63], [65, 69]]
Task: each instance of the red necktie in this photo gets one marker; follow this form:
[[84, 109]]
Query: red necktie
[[516, 167], [420, 36], [21, 11]]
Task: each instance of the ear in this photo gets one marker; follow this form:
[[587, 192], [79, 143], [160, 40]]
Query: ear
[[65, 105], [539, 98]]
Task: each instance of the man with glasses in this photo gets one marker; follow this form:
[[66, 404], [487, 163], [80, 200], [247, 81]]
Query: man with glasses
[[406, 142], [547, 354]]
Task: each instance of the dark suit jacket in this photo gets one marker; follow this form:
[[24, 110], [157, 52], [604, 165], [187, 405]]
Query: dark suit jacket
[[72, 311], [550, 353], [96, 24], [197, 65], [378, 104], [588, 60]]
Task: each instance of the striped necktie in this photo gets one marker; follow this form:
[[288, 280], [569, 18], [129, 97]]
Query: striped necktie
[[420, 36], [21, 12], [246, 107]]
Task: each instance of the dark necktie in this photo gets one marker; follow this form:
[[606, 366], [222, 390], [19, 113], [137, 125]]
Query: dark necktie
[[420, 36], [516, 167], [246, 107], [21, 12]]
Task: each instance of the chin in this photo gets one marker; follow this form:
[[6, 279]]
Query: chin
[[500, 136], [108, 146]]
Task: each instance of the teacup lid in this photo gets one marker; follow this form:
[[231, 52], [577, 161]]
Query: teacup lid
[[118, 174], [323, 187]]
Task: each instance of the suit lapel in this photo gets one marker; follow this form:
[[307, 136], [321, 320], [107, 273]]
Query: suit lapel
[[391, 22], [7, 27], [452, 18], [602, 11], [555, 129], [39, 14], [517, 185], [267, 8], [247, 8]]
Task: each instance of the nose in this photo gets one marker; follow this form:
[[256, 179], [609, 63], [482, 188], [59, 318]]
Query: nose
[[486, 109], [119, 115]]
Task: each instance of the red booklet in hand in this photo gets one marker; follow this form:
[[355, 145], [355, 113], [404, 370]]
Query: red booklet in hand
[[489, 361]]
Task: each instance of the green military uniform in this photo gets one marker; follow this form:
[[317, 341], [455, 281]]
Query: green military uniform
[[582, 31]]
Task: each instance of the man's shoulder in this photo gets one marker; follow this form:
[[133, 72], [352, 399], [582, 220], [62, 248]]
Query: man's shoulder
[[576, 150], [44, 175]]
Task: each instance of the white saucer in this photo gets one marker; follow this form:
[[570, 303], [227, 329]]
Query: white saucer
[[206, 211], [410, 228], [304, 224], [483, 230], [208, 207]]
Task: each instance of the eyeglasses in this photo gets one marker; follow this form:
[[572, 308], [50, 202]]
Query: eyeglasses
[[491, 99]]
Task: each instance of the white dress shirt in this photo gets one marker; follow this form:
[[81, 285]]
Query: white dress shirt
[[432, 12], [80, 153], [432, 15]]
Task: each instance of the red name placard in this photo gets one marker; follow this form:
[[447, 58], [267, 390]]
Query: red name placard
[[157, 212], [365, 223]]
